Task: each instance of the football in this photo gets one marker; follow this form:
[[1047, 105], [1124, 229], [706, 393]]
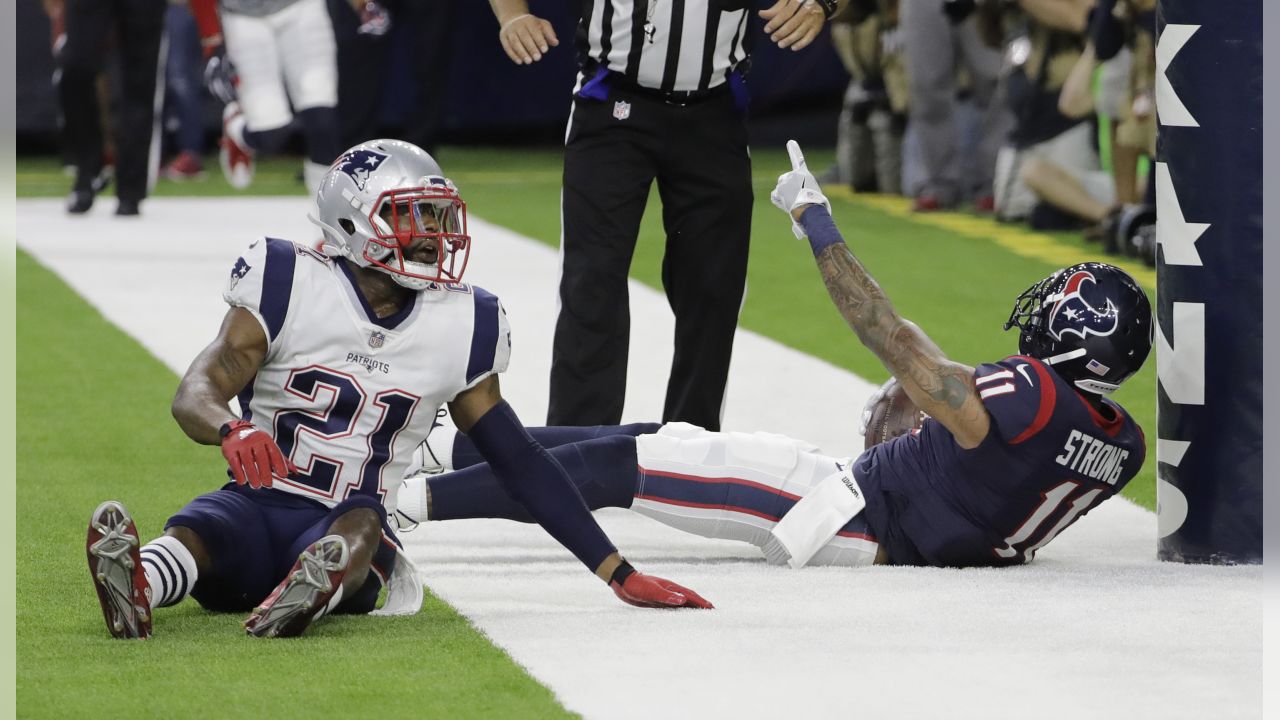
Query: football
[[894, 415]]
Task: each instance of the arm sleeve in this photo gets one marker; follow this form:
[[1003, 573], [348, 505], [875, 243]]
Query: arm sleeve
[[530, 475]]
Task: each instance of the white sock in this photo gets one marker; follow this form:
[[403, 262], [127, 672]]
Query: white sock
[[412, 500], [171, 571], [439, 448]]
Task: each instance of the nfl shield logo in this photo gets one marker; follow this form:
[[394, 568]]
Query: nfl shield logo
[[376, 339], [622, 110]]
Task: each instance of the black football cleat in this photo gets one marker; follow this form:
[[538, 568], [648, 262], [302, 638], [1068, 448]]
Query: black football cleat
[[79, 202], [115, 566], [127, 208], [305, 592]]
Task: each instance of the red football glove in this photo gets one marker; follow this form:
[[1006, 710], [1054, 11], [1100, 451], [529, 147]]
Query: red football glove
[[252, 454], [635, 588]]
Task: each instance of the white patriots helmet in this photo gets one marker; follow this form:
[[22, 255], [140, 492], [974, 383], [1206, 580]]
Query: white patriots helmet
[[382, 196]]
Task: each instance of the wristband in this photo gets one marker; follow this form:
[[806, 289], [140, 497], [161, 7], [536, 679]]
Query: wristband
[[621, 573], [820, 228]]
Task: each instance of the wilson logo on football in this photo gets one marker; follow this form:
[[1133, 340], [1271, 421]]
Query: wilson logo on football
[[1074, 314]]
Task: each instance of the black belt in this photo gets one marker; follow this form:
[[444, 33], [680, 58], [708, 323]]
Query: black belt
[[678, 98], [600, 80]]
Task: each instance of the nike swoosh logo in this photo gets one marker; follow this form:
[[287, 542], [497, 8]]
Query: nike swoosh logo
[[1023, 369]]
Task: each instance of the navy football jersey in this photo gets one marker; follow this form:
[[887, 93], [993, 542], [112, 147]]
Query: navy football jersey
[[1048, 459]]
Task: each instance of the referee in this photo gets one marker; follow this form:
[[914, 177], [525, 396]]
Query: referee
[[137, 26], [659, 96]]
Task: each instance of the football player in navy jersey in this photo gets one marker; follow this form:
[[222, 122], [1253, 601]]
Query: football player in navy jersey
[[1010, 454], [340, 359]]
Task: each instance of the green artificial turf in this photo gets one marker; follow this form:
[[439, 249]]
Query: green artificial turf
[[93, 423]]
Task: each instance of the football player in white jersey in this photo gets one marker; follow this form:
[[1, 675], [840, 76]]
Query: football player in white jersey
[[266, 60], [340, 359]]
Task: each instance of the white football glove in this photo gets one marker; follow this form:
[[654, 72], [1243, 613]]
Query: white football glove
[[874, 400], [797, 188]]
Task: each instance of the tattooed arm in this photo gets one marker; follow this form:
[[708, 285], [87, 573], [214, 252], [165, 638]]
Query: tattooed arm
[[940, 387], [219, 372]]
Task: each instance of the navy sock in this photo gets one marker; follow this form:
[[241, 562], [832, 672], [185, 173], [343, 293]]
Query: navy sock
[[267, 142], [320, 127], [533, 477], [603, 469], [465, 454]]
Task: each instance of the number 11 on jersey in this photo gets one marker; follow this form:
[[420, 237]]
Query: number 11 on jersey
[[1053, 499]]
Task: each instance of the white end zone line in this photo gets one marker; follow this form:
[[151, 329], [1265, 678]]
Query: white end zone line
[[1094, 628]]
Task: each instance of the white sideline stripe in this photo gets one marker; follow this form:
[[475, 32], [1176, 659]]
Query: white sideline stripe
[[1094, 614]]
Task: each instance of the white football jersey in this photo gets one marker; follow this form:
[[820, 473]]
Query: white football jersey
[[346, 395]]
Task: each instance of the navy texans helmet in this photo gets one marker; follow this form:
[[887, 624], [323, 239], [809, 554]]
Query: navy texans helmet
[[1090, 322]]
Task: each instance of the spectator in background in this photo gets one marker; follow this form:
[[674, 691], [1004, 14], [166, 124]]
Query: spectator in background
[[874, 115], [937, 33], [1050, 173], [138, 26], [365, 51], [1122, 33], [184, 94], [266, 60], [653, 101]]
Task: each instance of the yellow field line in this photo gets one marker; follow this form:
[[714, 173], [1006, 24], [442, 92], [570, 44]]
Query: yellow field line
[[1016, 240]]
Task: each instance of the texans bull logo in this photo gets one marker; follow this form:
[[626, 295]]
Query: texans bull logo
[[358, 164], [1074, 314]]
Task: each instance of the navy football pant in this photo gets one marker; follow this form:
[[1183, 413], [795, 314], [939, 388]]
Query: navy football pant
[[254, 537]]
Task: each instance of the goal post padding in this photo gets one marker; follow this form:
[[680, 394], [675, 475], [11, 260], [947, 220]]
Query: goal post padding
[[1209, 279]]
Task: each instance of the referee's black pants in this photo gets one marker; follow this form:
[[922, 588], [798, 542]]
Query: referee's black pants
[[698, 155], [138, 26]]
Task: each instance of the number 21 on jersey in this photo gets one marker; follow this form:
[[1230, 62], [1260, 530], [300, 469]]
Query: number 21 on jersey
[[353, 467]]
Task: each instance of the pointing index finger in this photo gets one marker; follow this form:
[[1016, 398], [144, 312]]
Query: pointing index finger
[[797, 157]]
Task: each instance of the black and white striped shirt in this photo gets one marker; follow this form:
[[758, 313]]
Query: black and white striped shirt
[[668, 45]]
